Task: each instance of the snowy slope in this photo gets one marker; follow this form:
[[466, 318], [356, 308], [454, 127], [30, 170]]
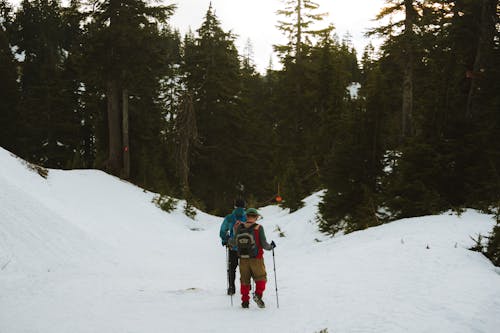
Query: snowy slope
[[82, 251]]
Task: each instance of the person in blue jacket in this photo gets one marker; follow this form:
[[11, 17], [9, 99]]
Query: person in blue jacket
[[227, 236]]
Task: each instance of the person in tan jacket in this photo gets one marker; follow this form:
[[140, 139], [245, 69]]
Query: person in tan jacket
[[250, 240]]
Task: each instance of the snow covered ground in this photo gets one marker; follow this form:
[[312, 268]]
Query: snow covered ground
[[82, 251]]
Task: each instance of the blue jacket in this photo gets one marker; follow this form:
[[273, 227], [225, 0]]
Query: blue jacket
[[227, 227]]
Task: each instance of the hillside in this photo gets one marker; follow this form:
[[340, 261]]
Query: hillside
[[82, 251]]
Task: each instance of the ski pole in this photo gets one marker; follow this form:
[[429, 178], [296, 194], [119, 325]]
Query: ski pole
[[275, 282], [227, 262]]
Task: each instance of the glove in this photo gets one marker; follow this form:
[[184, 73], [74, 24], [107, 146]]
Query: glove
[[224, 242], [273, 244]]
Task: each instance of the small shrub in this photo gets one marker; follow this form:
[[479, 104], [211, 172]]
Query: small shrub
[[190, 210], [281, 232], [43, 172], [478, 244], [458, 211], [165, 203]]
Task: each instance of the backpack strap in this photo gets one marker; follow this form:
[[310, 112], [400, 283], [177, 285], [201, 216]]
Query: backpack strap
[[256, 234], [236, 227]]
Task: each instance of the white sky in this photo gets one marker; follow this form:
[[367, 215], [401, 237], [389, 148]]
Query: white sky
[[256, 20]]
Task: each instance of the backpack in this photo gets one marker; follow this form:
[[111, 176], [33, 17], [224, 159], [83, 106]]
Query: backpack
[[245, 242]]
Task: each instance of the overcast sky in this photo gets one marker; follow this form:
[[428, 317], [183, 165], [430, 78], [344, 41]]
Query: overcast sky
[[256, 20]]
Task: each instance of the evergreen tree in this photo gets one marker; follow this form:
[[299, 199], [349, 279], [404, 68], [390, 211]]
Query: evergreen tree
[[407, 41], [353, 170], [213, 76], [451, 161], [330, 64], [127, 51], [296, 112], [71, 74], [257, 174], [493, 249], [9, 90], [46, 118]]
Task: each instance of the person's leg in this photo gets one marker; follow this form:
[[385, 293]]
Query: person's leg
[[245, 275], [260, 277], [233, 264]]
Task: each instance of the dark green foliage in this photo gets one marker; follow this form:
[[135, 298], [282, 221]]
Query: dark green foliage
[[126, 44], [478, 244], [350, 177], [213, 76], [46, 109], [413, 187], [165, 203], [310, 95], [291, 187], [9, 90], [257, 134], [447, 157], [493, 249], [353, 169], [190, 210]]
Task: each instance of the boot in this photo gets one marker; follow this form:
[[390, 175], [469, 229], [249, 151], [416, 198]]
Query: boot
[[244, 305], [258, 299]]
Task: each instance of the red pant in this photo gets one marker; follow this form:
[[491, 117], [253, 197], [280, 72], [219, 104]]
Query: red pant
[[260, 286]]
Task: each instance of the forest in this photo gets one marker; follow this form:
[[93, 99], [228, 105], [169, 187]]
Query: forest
[[112, 85]]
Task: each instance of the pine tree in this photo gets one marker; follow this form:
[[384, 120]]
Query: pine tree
[[213, 77], [46, 117], [353, 168], [407, 41], [296, 111], [493, 248], [71, 75], [126, 47], [450, 162], [300, 16], [257, 175], [9, 90]]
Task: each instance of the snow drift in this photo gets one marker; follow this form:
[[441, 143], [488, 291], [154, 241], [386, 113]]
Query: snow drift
[[82, 251]]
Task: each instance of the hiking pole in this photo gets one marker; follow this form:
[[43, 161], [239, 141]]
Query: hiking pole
[[275, 282], [227, 262]]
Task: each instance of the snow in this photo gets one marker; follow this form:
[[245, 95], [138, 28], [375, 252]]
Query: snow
[[353, 89], [82, 251]]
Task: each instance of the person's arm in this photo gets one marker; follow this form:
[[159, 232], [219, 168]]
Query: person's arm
[[263, 241], [224, 229]]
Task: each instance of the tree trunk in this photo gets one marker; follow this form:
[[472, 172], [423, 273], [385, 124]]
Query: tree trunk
[[187, 134], [298, 66], [478, 59], [407, 126], [407, 114], [126, 145], [298, 46], [115, 159]]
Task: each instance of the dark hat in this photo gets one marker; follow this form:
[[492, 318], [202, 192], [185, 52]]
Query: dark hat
[[239, 203]]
